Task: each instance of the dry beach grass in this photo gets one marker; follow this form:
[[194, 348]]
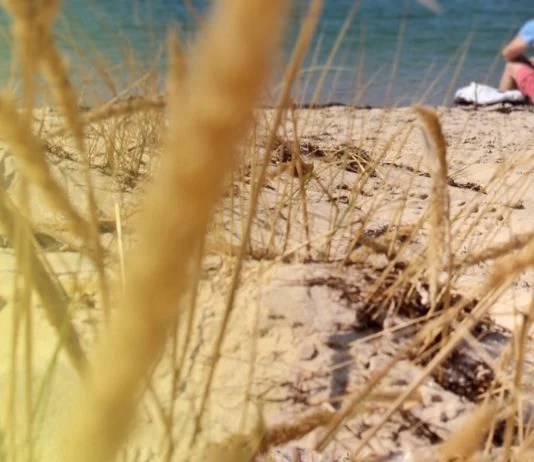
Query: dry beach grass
[[186, 277]]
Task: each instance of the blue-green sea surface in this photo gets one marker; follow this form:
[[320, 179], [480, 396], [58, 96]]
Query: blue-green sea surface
[[393, 52]]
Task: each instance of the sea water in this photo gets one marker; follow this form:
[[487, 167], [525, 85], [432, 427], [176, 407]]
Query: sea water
[[389, 52]]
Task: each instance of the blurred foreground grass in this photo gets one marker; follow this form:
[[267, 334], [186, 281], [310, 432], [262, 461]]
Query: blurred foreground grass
[[114, 228]]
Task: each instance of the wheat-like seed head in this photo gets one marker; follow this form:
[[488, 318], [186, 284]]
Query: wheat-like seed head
[[299, 426], [469, 437], [55, 72], [439, 241], [509, 266], [229, 68], [501, 250]]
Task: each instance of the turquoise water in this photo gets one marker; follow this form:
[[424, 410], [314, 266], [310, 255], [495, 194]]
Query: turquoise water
[[394, 51]]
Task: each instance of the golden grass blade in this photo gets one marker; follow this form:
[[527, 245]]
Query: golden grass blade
[[439, 242], [491, 253], [32, 24], [122, 110], [333, 52], [23, 303], [236, 448], [517, 391], [443, 71], [459, 67], [396, 60], [301, 48], [220, 92], [30, 21], [177, 67], [357, 398], [508, 268], [55, 72], [53, 297], [29, 151], [469, 438], [298, 427], [92, 234], [194, 11], [453, 341], [117, 110], [298, 165]]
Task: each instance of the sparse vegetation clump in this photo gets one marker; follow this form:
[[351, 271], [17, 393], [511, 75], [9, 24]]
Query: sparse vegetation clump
[[186, 276]]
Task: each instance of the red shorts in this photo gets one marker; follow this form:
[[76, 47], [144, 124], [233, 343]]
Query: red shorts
[[524, 78]]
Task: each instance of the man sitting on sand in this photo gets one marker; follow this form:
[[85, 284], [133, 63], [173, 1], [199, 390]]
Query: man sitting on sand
[[519, 70]]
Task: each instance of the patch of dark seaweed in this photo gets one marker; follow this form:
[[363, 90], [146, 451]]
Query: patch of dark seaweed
[[350, 157]]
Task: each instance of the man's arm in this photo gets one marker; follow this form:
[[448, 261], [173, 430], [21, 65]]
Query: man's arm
[[515, 50]]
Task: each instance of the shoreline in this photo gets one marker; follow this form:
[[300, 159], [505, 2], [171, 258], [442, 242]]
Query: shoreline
[[335, 104]]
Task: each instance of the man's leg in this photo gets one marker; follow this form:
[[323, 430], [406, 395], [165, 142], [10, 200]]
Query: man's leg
[[507, 79]]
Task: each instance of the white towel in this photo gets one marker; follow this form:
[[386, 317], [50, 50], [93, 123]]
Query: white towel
[[478, 93]]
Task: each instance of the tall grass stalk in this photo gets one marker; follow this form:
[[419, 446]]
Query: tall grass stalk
[[206, 125]]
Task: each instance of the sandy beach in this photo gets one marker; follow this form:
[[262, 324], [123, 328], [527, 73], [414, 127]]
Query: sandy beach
[[201, 261], [324, 299]]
